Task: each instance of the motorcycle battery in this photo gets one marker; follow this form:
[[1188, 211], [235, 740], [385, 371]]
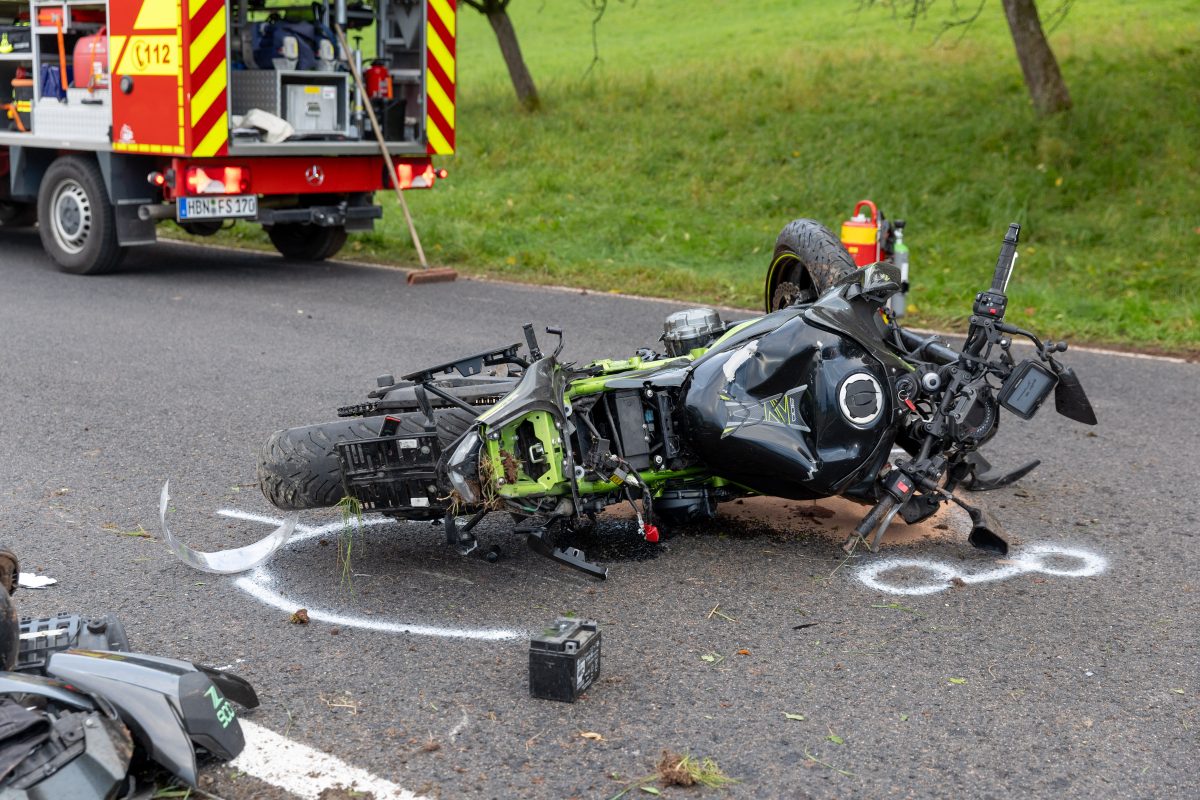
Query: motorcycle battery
[[565, 660], [42, 638]]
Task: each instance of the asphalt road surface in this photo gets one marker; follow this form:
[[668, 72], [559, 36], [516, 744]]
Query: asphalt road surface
[[1065, 671]]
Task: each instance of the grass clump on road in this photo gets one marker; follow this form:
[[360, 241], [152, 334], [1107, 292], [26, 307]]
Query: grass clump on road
[[670, 168]]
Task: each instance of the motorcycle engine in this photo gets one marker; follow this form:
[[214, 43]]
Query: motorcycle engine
[[684, 331]]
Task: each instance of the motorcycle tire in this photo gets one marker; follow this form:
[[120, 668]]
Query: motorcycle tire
[[298, 467], [808, 260]]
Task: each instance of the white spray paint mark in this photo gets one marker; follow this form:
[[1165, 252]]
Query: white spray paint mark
[[1033, 558], [460, 727], [304, 771], [260, 584]]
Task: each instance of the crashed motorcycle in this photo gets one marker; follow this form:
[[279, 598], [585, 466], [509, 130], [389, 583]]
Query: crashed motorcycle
[[815, 398], [82, 717]]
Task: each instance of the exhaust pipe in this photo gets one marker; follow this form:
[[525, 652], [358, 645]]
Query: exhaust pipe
[[156, 211]]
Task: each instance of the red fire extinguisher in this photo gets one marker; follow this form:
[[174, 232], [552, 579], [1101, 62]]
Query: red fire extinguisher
[[379, 81], [860, 234]]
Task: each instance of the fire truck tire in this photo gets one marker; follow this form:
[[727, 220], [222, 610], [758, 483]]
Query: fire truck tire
[[808, 259], [77, 221], [17, 215], [298, 467], [301, 242]]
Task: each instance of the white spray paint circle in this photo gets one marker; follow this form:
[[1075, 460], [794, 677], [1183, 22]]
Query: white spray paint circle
[[1040, 558], [261, 585]]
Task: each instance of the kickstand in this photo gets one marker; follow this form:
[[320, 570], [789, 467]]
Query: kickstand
[[571, 556], [983, 477]]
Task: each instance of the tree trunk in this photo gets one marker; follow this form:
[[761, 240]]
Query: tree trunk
[[522, 81], [1042, 76]]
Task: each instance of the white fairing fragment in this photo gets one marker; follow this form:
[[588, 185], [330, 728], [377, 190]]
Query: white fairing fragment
[[225, 562]]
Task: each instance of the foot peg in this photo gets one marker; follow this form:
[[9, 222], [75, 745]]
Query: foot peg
[[571, 556], [983, 477]]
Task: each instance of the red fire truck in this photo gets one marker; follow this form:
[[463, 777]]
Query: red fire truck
[[123, 113]]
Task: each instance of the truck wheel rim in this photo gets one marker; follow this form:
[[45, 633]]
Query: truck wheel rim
[[71, 216]]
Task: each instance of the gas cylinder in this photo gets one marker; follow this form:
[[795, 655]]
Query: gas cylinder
[[860, 234], [91, 61], [899, 302], [379, 81]]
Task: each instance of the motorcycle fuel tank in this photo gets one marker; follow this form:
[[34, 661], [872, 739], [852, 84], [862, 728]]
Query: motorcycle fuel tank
[[800, 412]]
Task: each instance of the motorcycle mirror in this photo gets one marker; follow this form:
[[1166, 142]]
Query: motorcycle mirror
[[986, 533], [1071, 400]]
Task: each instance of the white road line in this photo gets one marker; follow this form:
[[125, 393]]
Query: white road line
[[306, 772]]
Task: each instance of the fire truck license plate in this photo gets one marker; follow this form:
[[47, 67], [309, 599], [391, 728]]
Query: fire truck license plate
[[218, 207]]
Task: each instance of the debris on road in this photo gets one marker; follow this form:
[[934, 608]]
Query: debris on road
[[225, 562], [716, 612], [684, 770], [75, 718], [28, 580], [564, 660]]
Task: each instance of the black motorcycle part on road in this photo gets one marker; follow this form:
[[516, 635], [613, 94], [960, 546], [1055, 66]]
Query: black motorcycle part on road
[[172, 707], [299, 467], [50, 751], [801, 412], [41, 638]]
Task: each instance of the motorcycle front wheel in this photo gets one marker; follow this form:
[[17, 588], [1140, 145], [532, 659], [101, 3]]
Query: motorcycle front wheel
[[808, 259], [298, 467]]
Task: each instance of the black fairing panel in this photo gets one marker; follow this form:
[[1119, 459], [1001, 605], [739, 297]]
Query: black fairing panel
[[169, 705], [800, 412], [853, 309]]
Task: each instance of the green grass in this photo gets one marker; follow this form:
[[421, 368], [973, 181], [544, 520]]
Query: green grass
[[670, 168]]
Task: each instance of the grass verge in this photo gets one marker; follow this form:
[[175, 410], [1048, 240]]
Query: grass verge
[[669, 169]]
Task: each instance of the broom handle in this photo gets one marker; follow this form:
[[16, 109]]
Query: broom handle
[[63, 79], [362, 93]]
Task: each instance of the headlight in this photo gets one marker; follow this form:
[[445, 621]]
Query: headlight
[[463, 468]]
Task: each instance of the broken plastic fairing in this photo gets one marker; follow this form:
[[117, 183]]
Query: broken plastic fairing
[[225, 562]]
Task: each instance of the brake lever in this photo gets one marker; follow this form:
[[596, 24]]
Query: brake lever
[[556, 332]]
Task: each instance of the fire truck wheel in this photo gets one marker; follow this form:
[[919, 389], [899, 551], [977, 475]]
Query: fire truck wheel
[[17, 215], [299, 468], [808, 259], [78, 223], [301, 242]]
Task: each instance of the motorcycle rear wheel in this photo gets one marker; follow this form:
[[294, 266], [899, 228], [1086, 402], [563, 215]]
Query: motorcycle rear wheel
[[298, 467], [808, 260]]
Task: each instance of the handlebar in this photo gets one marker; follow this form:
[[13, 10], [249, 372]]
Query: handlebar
[[1008, 255], [928, 347], [871, 521]]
